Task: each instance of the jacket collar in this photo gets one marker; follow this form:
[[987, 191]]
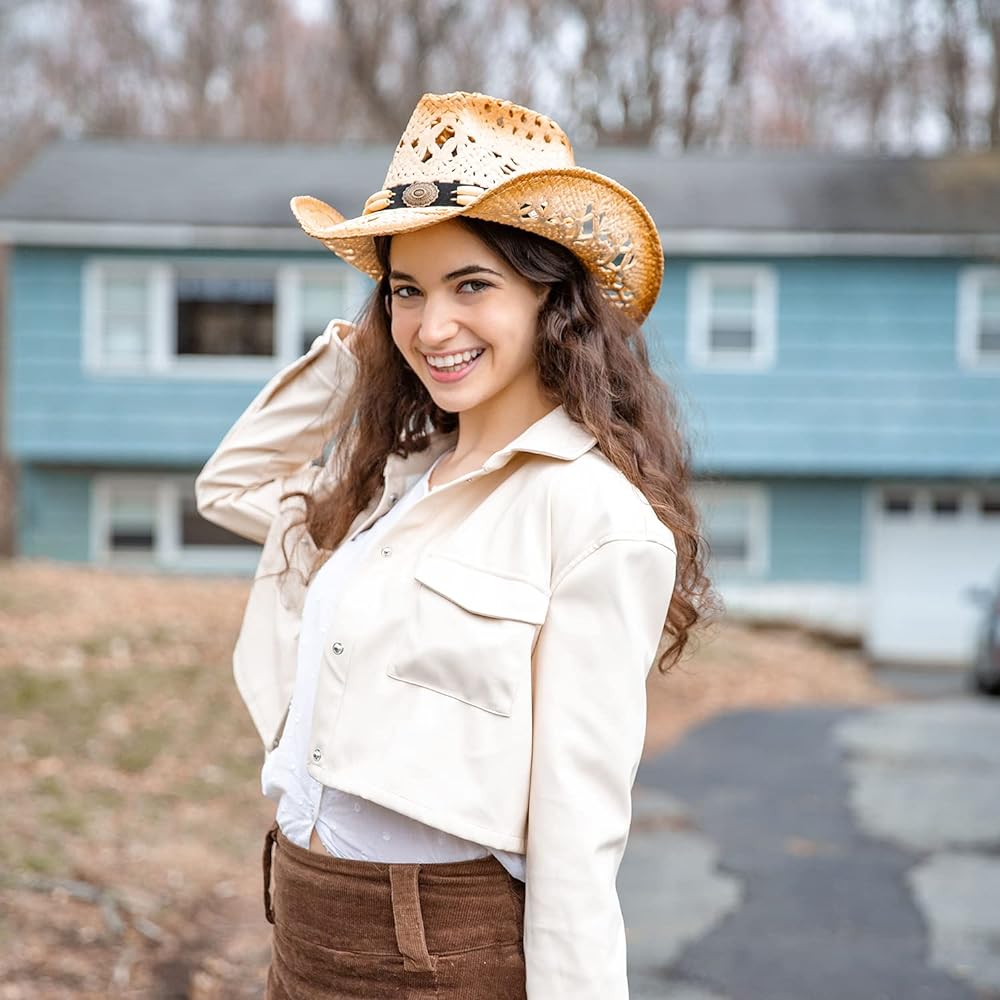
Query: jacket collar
[[556, 435]]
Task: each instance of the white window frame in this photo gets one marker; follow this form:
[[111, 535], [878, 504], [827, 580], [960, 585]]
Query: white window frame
[[161, 318], [168, 553], [765, 284], [970, 285], [756, 497]]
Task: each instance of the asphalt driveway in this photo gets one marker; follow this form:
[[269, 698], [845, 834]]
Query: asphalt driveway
[[820, 853]]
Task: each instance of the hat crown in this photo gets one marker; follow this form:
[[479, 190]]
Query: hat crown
[[475, 139]]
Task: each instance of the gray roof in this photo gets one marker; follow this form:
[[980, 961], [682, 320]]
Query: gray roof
[[238, 184]]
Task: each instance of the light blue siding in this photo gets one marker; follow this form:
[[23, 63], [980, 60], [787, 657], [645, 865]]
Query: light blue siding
[[816, 527], [53, 514], [57, 413], [866, 379]]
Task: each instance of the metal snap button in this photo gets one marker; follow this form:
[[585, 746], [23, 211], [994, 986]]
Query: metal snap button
[[317, 755], [393, 498], [338, 648], [387, 551]]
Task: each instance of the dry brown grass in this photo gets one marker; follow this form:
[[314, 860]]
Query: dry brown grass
[[132, 815]]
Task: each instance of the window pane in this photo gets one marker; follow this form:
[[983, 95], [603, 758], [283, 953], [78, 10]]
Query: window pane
[[726, 337], [732, 297], [727, 528], [731, 548], [897, 502], [124, 338], [196, 531], [321, 302], [989, 301], [223, 315], [124, 334], [132, 520], [945, 503], [124, 294], [322, 299], [989, 336], [731, 316]]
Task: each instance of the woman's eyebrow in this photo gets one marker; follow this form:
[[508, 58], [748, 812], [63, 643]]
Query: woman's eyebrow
[[461, 272]]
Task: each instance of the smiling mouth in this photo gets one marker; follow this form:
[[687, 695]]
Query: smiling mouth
[[459, 365]]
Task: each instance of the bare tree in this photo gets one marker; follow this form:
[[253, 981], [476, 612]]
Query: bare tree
[[954, 70], [910, 75], [988, 12]]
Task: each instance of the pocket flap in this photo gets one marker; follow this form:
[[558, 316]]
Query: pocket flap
[[482, 591]]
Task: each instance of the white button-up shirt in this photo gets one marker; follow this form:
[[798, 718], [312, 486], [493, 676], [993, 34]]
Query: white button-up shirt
[[350, 826]]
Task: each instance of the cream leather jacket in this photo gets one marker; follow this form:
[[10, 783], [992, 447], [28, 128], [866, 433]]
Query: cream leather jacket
[[485, 673]]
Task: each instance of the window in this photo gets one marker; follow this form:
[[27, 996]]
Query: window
[[209, 316], [131, 523], [152, 522], [221, 313], [317, 293], [731, 316], [735, 526], [945, 503], [124, 304], [939, 504], [898, 501], [978, 322]]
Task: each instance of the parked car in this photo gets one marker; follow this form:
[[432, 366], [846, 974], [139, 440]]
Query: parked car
[[984, 676]]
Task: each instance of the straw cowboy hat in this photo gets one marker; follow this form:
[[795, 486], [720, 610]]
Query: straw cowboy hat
[[471, 154]]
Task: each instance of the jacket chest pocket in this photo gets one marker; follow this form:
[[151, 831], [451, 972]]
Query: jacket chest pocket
[[470, 634]]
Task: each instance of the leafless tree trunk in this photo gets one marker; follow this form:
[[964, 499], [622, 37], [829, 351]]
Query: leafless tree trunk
[[989, 18], [955, 71]]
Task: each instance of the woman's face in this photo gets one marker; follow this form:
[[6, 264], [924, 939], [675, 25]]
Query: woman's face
[[451, 295]]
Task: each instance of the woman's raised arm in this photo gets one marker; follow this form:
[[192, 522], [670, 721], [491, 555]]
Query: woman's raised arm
[[273, 444]]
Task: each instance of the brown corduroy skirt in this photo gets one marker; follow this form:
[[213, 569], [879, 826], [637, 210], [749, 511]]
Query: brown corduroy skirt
[[358, 930]]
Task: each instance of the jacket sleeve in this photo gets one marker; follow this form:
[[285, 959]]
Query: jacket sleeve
[[604, 623], [271, 447]]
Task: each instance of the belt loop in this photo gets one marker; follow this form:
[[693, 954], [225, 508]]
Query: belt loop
[[269, 841], [404, 881]]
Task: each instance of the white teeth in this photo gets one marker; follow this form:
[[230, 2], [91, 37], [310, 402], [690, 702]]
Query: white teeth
[[450, 360]]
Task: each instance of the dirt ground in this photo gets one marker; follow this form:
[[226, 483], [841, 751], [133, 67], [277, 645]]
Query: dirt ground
[[132, 817]]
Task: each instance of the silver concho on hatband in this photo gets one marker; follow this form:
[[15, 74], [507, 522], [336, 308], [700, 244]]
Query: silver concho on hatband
[[419, 194]]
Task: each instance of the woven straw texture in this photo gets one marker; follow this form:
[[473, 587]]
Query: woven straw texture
[[472, 154]]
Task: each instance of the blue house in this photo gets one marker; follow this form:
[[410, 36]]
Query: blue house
[[831, 324]]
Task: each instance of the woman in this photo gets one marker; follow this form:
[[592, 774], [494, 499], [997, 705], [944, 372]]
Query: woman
[[457, 609]]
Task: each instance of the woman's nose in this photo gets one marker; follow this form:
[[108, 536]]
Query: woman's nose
[[437, 323]]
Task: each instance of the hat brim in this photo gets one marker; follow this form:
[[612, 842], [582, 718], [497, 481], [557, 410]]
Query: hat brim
[[594, 216]]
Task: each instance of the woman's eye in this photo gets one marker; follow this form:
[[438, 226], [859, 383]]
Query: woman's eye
[[403, 288], [475, 281]]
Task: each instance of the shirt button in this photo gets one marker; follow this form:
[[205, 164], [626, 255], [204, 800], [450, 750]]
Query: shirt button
[[317, 754], [338, 648], [386, 551], [392, 499]]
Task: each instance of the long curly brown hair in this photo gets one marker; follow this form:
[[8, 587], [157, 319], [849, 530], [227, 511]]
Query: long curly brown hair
[[591, 357]]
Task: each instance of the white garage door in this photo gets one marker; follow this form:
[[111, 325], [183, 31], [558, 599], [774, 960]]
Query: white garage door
[[927, 546]]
